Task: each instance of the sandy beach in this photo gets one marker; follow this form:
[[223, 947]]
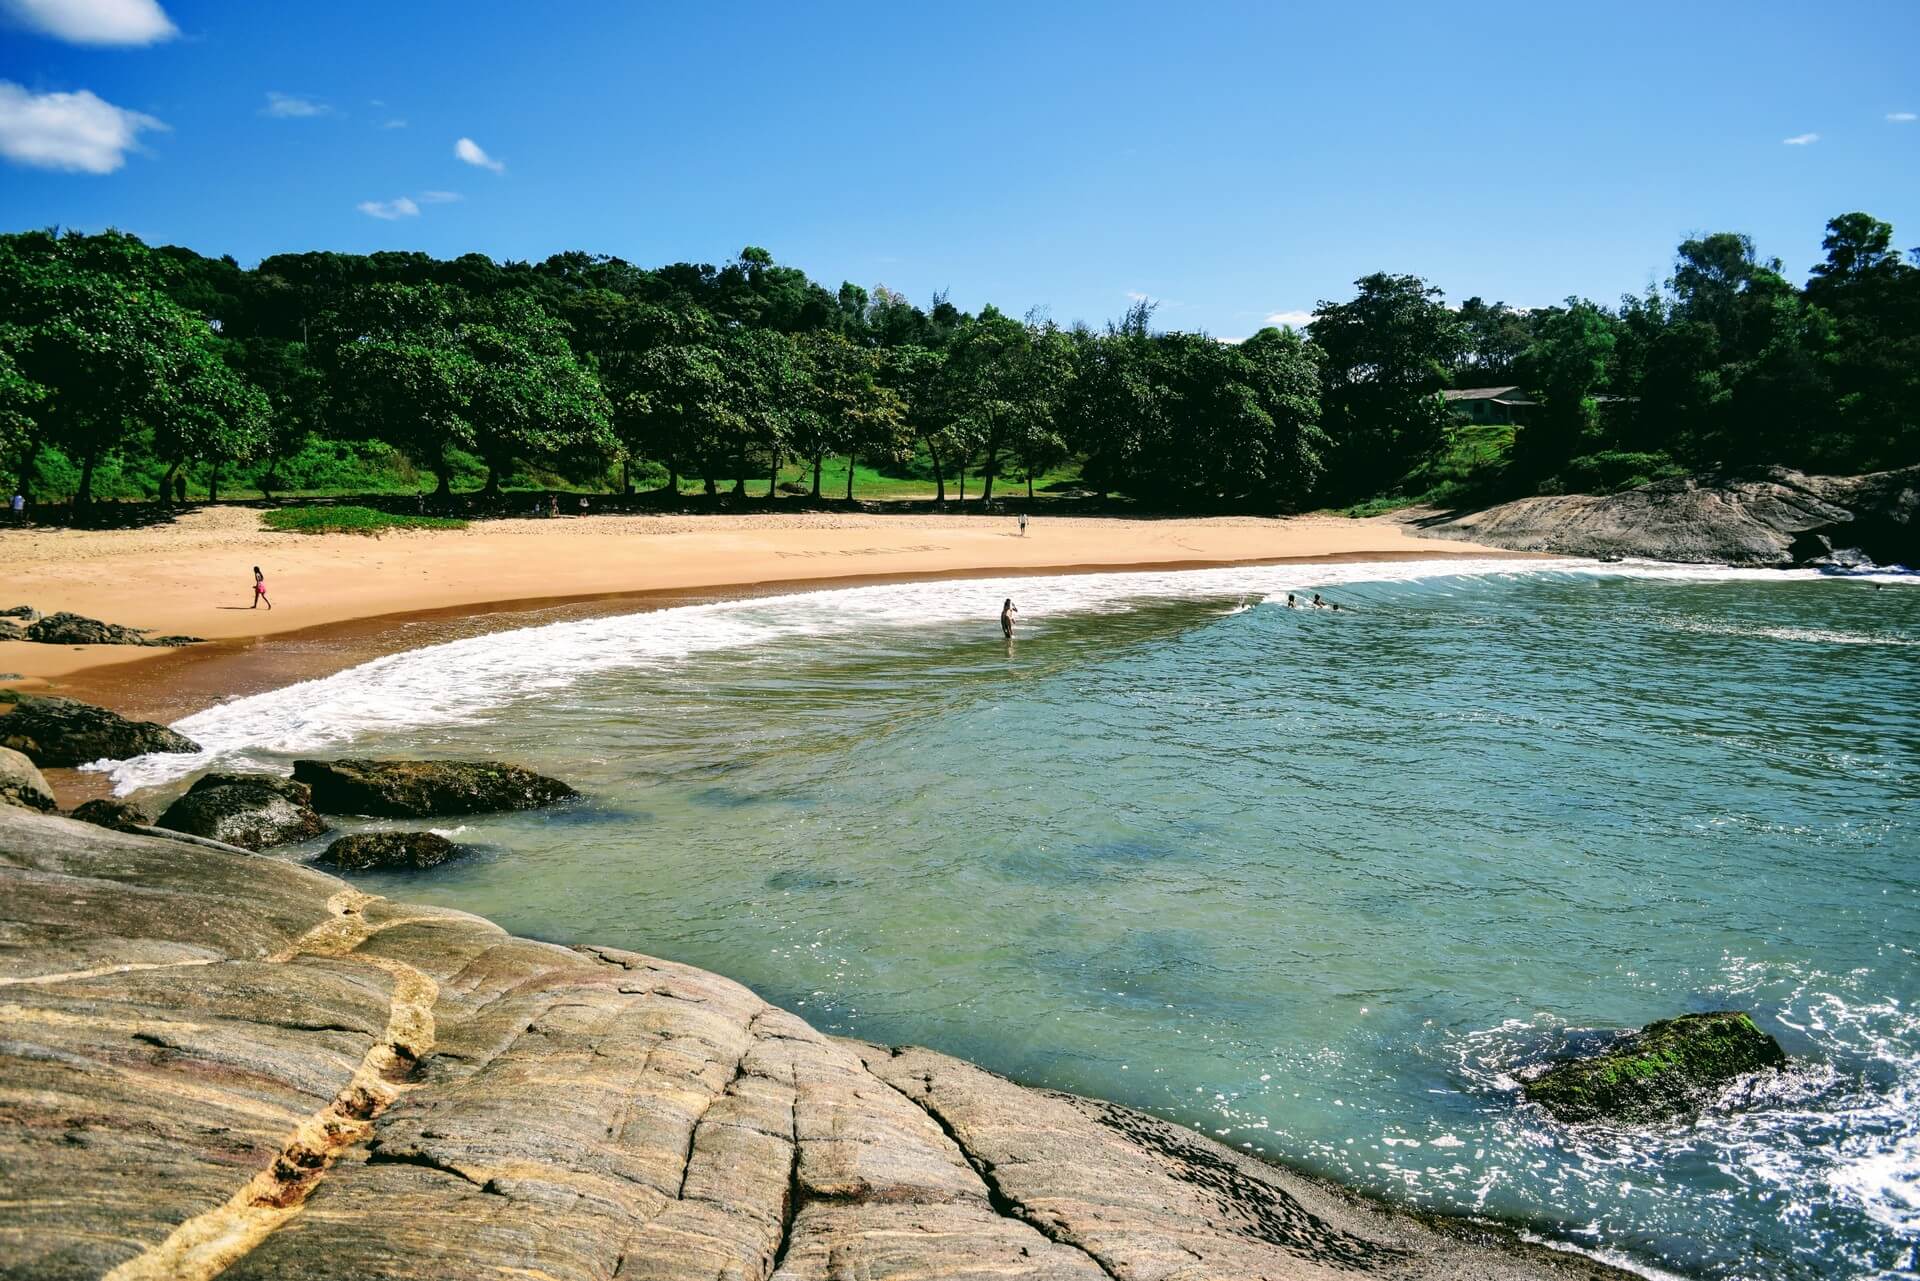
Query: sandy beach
[[343, 597]]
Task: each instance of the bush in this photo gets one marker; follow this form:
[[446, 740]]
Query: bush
[[1611, 471], [350, 520]]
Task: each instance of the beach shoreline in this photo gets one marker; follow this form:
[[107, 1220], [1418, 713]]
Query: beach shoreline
[[344, 599]]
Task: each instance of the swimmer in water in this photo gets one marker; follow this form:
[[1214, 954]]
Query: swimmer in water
[[1007, 611], [1316, 602], [1291, 602]]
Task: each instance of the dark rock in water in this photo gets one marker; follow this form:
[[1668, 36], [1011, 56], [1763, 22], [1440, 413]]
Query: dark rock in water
[[1665, 1069], [21, 784], [421, 789], [368, 851], [252, 811], [1754, 518], [75, 629], [61, 732], [118, 815]]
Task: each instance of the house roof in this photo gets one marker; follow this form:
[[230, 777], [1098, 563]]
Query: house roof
[[1484, 393]]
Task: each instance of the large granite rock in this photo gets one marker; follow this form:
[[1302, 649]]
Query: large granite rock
[[1666, 1069], [252, 811], [423, 789], [62, 732], [22, 784], [65, 628], [233, 1065], [1776, 517], [387, 851]]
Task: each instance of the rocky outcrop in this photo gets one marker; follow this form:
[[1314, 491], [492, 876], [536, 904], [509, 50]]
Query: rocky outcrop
[[22, 784], [62, 732], [218, 1064], [424, 789], [1777, 517], [26, 613], [103, 811], [252, 811], [1666, 1069], [10, 631], [382, 851], [76, 629]]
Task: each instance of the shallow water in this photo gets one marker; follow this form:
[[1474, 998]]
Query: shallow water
[[1319, 884]]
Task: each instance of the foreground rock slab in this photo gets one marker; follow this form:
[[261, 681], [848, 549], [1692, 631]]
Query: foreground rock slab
[[369, 851], [424, 789], [1666, 1069], [221, 1064], [253, 811], [62, 732]]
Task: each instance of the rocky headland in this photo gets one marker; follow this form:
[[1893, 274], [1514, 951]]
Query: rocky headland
[[227, 1064], [1774, 518]]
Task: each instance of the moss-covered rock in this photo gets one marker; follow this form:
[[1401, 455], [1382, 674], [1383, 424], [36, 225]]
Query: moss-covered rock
[[252, 811], [1665, 1069], [21, 784], [104, 812], [62, 732], [420, 789], [370, 851]]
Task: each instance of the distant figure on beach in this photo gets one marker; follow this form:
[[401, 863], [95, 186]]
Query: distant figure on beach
[[1007, 611], [260, 588], [19, 508], [1023, 524], [553, 504]]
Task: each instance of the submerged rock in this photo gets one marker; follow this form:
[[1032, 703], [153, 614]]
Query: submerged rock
[[21, 784], [422, 789], [448, 1101], [370, 851], [252, 811], [104, 812], [62, 732], [1665, 1069]]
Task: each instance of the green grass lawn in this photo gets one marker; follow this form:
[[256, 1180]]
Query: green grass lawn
[[880, 486], [349, 520]]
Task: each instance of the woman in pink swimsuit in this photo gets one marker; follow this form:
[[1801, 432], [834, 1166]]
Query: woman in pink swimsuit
[[260, 588]]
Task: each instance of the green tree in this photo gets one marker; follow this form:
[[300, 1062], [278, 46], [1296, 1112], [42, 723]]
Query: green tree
[[529, 398], [1564, 367]]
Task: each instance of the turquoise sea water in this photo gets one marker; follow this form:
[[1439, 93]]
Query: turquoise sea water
[[1321, 885]]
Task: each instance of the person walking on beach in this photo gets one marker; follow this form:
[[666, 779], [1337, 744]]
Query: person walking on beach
[[1007, 611], [1023, 524], [19, 508], [260, 588]]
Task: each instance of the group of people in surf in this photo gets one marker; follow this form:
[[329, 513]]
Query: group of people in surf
[[1008, 612], [1316, 603]]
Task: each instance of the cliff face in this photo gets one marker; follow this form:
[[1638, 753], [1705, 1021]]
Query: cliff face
[[1779, 517], [216, 1064]]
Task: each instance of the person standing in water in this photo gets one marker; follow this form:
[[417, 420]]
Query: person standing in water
[[1007, 611], [260, 588]]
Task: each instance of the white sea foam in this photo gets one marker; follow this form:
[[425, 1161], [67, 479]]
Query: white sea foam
[[470, 679]]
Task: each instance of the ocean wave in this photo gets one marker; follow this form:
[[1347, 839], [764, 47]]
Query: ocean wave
[[1805, 635], [472, 679]]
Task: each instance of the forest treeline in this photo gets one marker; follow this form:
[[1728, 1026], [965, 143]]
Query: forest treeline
[[153, 362]]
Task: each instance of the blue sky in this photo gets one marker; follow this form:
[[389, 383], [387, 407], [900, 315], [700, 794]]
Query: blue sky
[[1234, 161]]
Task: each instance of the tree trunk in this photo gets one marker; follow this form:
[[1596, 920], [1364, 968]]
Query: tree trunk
[[740, 474], [444, 491], [492, 487], [816, 477], [706, 476], [166, 483], [963, 484], [626, 477], [1029, 483], [213, 483], [25, 478], [939, 476], [849, 477], [986, 483], [84, 498], [773, 478]]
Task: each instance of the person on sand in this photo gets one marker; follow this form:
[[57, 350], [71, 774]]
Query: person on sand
[[1023, 524], [260, 588], [19, 507], [1007, 611]]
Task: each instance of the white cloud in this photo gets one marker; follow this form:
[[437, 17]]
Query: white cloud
[[1801, 140], [1134, 295], [1291, 319], [291, 106], [439, 197], [1902, 117], [395, 123], [76, 132], [469, 150], [95, 21], [389, 210]]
